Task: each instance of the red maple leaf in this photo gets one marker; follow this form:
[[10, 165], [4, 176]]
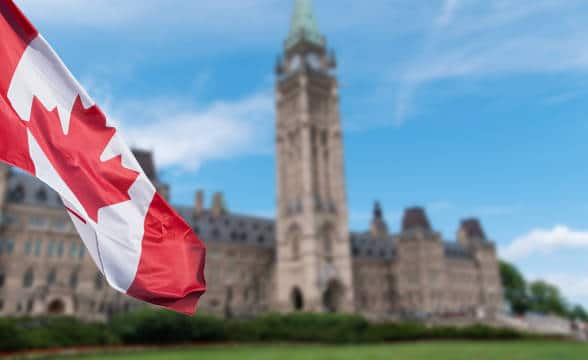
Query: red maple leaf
[[76, 156]]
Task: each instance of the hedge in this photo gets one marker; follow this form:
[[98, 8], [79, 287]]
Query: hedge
[[158, 327], [52, 332]]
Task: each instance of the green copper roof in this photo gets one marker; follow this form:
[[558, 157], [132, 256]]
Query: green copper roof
[[304, 25]]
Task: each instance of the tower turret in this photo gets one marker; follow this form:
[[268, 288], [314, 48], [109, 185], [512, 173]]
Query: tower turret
[[313, 251], [378, 228]]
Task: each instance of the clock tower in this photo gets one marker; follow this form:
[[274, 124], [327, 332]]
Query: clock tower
[[313, 267]]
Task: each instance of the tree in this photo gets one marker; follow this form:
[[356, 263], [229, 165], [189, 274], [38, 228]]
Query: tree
[[546, 298], [579, 313], [515, 288]]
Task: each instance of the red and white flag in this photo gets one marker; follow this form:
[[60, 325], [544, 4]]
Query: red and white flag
[[51, 128]]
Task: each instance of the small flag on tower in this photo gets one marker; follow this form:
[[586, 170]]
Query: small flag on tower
[[51, 128]]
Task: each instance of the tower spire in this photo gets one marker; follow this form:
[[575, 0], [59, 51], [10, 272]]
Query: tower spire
[[304, 26]]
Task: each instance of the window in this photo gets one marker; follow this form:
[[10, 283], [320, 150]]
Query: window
[[293, 238], [9, 246], [41, 195], [51, 248], [6, 246], [28, 247], [59, 225], [28, 278], [38, 245], [98, 283], [18, 194], [35, 221], [60, 249], [73, 250], [10, 219], [328, 236], [73, 280], [51, 277], [2, 278]]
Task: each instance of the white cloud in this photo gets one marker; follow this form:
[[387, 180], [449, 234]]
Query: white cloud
[[494, 38], [186, 136], [545, 242]]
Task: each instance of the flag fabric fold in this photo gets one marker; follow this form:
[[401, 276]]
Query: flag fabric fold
[[51, 128]]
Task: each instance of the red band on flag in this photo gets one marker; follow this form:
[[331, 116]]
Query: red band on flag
[[171, 269], [16, 32]]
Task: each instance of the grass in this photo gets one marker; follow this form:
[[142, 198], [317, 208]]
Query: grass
[[404, 351]]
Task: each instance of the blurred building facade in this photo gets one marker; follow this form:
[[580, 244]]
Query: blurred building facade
[[305, 259]]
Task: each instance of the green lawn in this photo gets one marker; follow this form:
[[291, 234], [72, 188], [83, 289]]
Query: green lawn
[[408, 351]]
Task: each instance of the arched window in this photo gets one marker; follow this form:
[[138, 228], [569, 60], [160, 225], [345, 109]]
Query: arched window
[[51, 277], [297, 299], [28, 278]]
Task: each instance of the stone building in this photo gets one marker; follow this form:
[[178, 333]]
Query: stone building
[[305, 259]]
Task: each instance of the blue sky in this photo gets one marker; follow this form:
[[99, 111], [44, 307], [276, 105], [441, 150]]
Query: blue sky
[[470, 108]]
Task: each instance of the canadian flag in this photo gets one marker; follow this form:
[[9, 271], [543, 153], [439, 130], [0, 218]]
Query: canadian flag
[[51, 128]]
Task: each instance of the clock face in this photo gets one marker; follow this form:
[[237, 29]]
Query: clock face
[[295, 63], [314, 61]]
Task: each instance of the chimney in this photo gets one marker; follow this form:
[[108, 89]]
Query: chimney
[[218, 205], [199, 203]]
